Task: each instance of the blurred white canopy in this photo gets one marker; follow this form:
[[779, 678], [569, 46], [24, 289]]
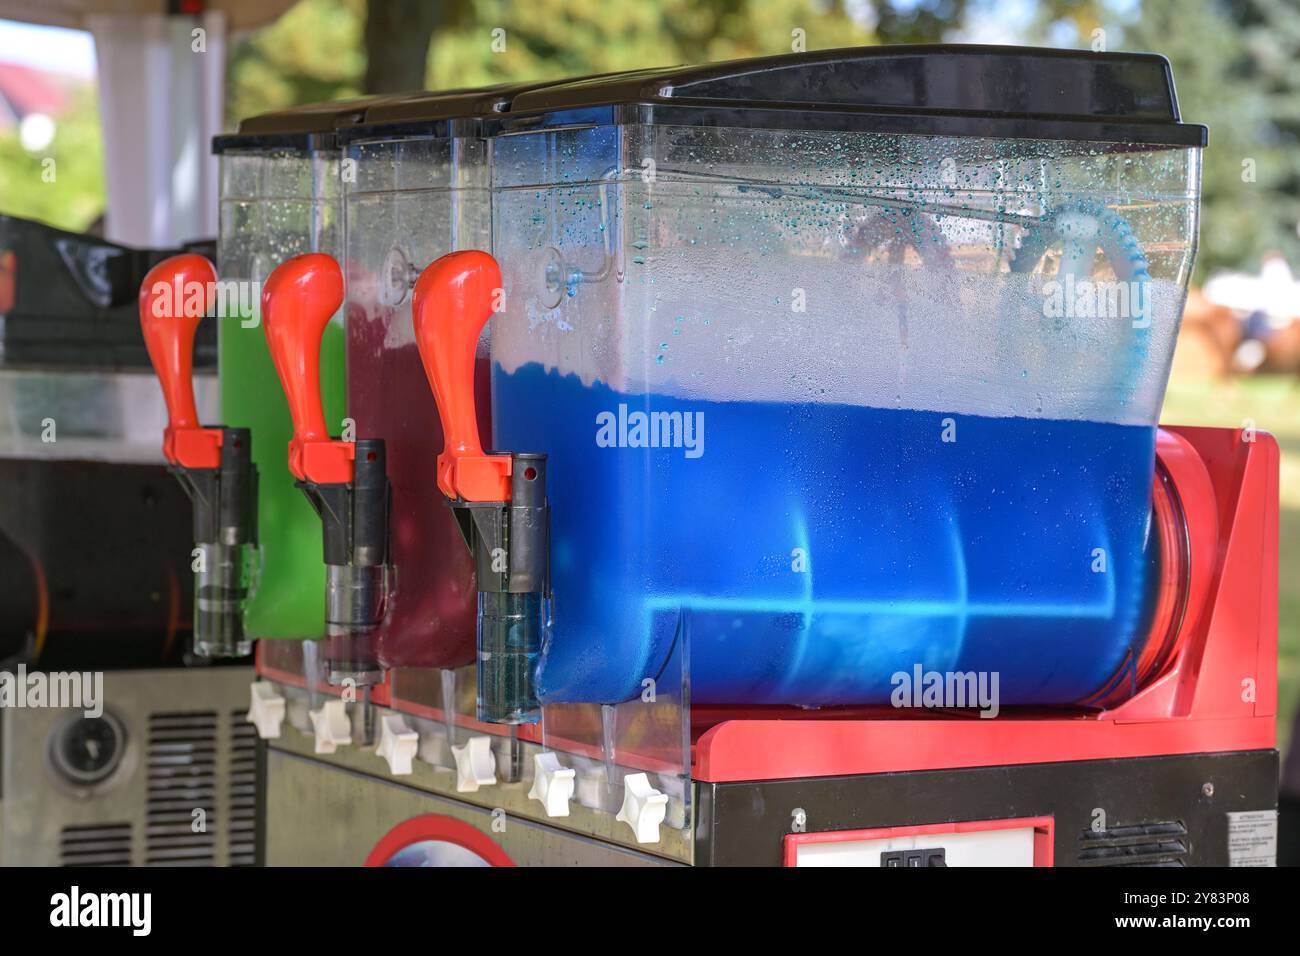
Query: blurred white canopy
[[161, 80], [239, 14]]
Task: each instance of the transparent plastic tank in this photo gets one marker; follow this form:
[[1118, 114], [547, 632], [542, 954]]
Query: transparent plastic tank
[[840, 403], [419, 191], [277, 201]]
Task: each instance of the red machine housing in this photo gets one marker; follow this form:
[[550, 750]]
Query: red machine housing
[[1216, 690]]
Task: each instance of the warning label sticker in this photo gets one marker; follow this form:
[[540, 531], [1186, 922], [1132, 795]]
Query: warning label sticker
[[1252, 838]]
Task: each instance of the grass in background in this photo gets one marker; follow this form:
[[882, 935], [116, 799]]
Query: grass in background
[[1273, 403]]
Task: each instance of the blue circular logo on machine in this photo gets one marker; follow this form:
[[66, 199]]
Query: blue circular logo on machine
[[435, 853], [437, 840]]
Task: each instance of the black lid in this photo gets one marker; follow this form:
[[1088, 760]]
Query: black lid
[[429, 112], [432, 113], [324, 126], [433, 105], [946, 90], [298, 129]]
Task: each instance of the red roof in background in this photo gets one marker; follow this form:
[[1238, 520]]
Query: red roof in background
[[28, 90]]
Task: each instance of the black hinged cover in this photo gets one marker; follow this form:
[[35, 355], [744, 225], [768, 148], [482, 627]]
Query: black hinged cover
[[958, 90], [432, 106], [425, 113], [298, 129]]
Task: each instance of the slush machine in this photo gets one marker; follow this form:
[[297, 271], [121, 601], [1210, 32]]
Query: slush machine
[[824, 517]]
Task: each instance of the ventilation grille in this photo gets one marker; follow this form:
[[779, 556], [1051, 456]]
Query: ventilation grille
[[182, 779], [1147, 844], [242, 831], [97, 844]]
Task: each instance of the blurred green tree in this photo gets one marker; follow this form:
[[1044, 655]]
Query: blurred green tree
[[1271, 35], [1234, 64], [918, 21], [311, 54], [1071, 22], [544, 39], [397, 35], [68, 194], [1244, 171], [317, 50]]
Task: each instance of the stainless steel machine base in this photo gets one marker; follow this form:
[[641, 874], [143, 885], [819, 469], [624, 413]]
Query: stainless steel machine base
[[168, 776], [322, 814]]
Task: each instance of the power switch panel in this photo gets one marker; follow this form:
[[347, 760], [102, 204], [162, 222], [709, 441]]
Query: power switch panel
[[913, 858], [1015, 842]]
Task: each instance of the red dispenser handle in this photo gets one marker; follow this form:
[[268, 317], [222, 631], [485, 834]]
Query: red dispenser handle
[[452, 301], [298, 300], [175, 295]]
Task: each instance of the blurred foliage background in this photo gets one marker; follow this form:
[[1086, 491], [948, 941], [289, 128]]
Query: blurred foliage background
[[77, 152]]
